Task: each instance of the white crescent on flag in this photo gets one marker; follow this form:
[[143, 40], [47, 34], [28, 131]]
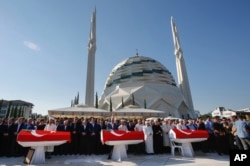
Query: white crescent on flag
[[185, 132], [116, 134], [34, 133]]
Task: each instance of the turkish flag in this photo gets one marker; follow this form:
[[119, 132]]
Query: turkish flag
[[119, 135], [40, 135]]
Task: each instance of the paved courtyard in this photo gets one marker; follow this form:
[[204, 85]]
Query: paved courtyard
[[201, 159]]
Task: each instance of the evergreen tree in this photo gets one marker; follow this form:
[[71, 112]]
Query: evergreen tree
[[133, 99], [9, 110], [110, 104], [77, 98], [96, 100], [122, 102], [75, 101]]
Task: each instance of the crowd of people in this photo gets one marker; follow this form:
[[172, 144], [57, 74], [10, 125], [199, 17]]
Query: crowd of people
[[224, 134]]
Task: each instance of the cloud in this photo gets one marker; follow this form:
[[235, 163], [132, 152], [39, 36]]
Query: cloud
[[31, 45]]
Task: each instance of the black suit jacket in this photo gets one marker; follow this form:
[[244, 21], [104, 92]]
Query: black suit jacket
[[85, 129], [41, 127], [75, 127], [95, 129], [22, 126], [62, 128]]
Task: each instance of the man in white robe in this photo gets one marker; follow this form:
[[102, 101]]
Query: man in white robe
[[49, 127], [148, 136], [166, 127], [123, 127]]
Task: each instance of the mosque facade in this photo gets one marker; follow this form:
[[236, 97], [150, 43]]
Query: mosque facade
[[142, 81]]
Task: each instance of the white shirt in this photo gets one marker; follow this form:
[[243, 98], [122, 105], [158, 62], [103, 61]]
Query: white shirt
[[181, 126], [123, 128], [50, 127], [138, 127]]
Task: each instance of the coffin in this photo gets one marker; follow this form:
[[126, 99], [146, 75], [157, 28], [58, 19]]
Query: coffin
[[29, 138], [117, 137], [188, 135]]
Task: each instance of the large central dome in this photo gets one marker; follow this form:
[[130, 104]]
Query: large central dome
[[139, 69], [140, 79]]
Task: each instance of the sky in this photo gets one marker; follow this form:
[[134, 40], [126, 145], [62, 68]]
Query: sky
[[43, 47]]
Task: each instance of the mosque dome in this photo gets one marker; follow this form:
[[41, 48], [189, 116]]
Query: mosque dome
[[141, 79], [139, 69]]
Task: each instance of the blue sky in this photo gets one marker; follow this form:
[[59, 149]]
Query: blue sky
[[43, 47]]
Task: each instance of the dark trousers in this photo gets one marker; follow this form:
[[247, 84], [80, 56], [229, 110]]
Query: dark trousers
[[220, 143], [238, 142], [110, 151]]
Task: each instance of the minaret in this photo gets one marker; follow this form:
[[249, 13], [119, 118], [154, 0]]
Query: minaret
[[181, 69], [90, 82]]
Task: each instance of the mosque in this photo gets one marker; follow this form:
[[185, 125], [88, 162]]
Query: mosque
[[142, 81], [139, 79]]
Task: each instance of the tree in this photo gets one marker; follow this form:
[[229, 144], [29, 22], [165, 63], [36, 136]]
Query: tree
[[122, 102], [110, 104], [145, 104], [77, 98], [204, 116], [133, 99], [75, 101], [96, 100]]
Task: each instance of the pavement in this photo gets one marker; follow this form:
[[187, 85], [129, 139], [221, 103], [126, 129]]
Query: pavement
[[200, 159]]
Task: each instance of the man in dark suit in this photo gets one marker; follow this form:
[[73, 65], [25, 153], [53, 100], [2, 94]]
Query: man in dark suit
[[11, 137], [157, 137], [95, 130], [113, 125], [5, 138], [30, 125], [64, 148], [19, 150], [131, 127], [219, 135], [201, 126], [75, 136], [85, 138], [2, 129], [41, 125]]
